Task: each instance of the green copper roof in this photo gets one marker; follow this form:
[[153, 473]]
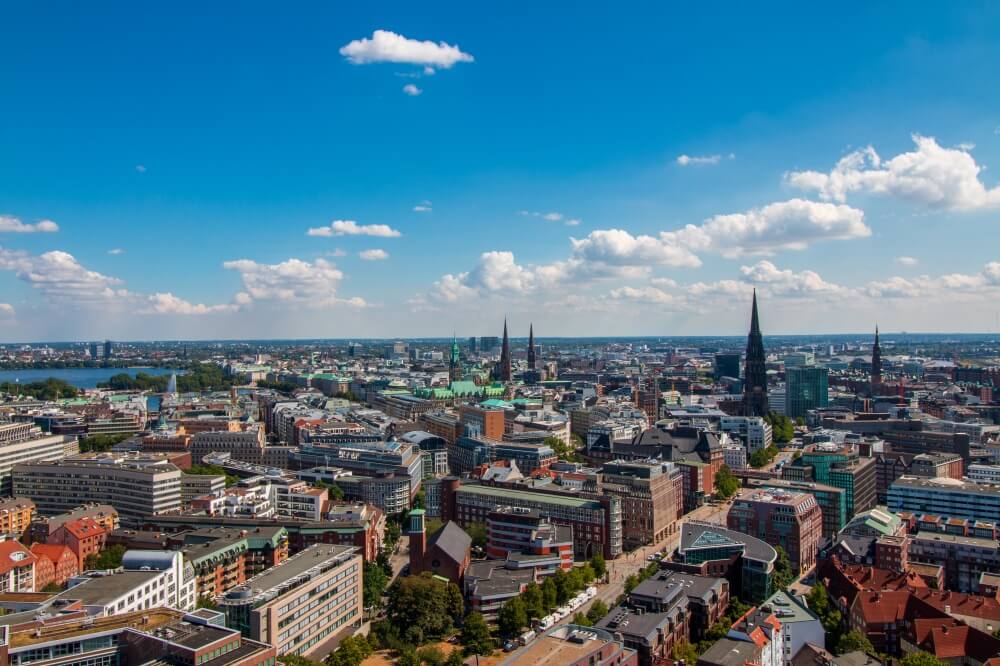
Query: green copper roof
[[502, 404]]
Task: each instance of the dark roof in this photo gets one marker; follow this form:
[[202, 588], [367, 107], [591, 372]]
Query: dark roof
[[729, 652], [453, 541], [695, 534], [680, 443]]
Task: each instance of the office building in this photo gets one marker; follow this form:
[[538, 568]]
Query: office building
[[964, 559], [792, 520], [482, 422], [712, 550], [148, 579], [24, 443], [652, 499], [134, 488], [752, 431], [301, 603], [806, 388], [857, 478], [832, 500], [15, 516], [949, 498], [516, 531], [727, 365]]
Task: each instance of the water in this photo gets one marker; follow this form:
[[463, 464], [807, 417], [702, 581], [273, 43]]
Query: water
[[83, 378]]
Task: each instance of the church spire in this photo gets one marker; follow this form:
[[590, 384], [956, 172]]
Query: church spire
[[755, 373], [503, 371], [876, 377], [455, 361], [531, 346]]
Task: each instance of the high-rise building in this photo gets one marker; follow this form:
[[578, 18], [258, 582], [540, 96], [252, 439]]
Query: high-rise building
[[472, 345], [755, 374], [531, 347], [488, 343], [876, 379], [807, 388], [107, 350], [727, 365]]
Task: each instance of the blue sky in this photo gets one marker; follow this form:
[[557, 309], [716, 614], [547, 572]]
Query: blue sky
[[200, 145]]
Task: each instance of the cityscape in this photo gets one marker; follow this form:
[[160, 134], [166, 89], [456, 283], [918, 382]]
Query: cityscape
[[521, 335]]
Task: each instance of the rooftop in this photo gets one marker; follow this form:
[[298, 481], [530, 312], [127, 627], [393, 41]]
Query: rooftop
[[144, 620], [528, 496], [102, 590], [289, 574], [562, 645]]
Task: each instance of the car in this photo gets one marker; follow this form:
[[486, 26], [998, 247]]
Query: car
[[509, 646], [650, 558]]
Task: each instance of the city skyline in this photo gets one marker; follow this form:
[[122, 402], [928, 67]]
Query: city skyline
[[364, 172]]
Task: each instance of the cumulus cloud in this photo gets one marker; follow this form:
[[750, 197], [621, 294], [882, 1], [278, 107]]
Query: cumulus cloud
[[423, 207], [60, 277], [648, 294], [6, 311], [373, 255], [985, 282], [619, 248], [784, 282], [291, 281], [907, 261], [116, 251], [701, 160], [572, 222], [931, 175], [785, 225], [412, 90], [13, 225], [352, 228], [386, 46], [168, 304]]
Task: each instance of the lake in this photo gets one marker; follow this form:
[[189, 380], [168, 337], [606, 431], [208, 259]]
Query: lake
[[83, 378]]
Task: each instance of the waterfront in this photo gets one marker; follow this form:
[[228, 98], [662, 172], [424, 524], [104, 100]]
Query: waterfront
[[83, 378]]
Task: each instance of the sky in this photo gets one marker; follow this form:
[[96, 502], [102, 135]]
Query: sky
[[351, 170]]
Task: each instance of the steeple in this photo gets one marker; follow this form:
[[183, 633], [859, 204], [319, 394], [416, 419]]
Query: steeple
[[755, 373], [503, 369], [531, 347], [876, 376], [455, 361]]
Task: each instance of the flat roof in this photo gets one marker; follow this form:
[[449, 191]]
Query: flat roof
[[272, 579], [560, 646], [528, 496], [154, 617], [100, 590]]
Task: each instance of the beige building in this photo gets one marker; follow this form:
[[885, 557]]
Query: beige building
[[652, 499], [25, 442], [301, 603]]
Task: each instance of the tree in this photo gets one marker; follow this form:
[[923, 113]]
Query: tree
[[109, 558], [48, 389], [631, 583], [431, 655], [582, 620], [206, 601], [736, 610], [598, 609], [374, 581], [476, 635], [213, 470], [921, 658], [424, 603], [686, 652], [818, 600], [297, 660], [477, 532], [726, 485], [420, 499], [854, 640], [101, 442], [598, 564], [550, 595], [783, 575], [513, 616], [408, 657], [351, 652], [533, 601], [782, 427], [455, 659]]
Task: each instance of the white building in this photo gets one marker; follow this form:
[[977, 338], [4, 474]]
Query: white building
[[753, 431], [25, 442], [149, 579], [799, 625], [984, 473], [735, 456]]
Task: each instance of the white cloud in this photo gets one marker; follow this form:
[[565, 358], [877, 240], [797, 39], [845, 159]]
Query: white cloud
[[140, 168], [617, 247], [60, 277], [373, 255], [423, 207], [930, 175], [907, 261], [337, 252], [168, 304], [352, 228], [785, 225], [386, 46], [430, 71], [412, 90], [551, 216], [784, 282], [291, 281], [6, 310], [701, 160], [9, 224], [116, 251], [984, 283], [651, 295], [572, 222]]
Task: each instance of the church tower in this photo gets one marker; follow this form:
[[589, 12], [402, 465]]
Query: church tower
[[531, 347], [455, 361], [876, 378], [755, 373], [503, 367]]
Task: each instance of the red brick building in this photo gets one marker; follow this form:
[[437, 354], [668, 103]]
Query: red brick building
[[83, 536], [446, 553], [55, 564], [790, 520]]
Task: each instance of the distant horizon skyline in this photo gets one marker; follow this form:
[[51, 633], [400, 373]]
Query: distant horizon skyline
[[361, 170]]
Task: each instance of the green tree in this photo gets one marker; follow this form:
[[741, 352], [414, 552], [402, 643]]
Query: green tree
[[100, 443], [408, 657], [477, 532], [783, 575], [513, 616], [631, 583], [206, 601], [109, 558], [550, 595], [47, 389], [598, 609], [213, 470], [455, 659], [686, 651], [297, 660], [726, 485], [533, 601], [582, 620], [736, 610], [598, 564], [424, 603], [374, 581], [431, 655], [854, 640], [818, 600], [476, 635], [921, 658], [351, 652], [782, 427]]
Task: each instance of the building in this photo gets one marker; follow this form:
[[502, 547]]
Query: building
[[502, 372], [301, 603], [54, 565], [219, 563], [155, 636], [135, 489], [792, 520], [596, 520], [17, 568], [481, 422], [149, 579], [754, 432], [875, 523], [857, 478], [15, 516], [372, 459], [515, 531], [875, 384], [726, 365], [735, 456], [756, 638], [24, 443], [712, 550], [949, 498], [198, 485], [651, 497], [806, 388], [247, 445], [573, 645], [696, 452], [83, 536], [755, 374], [799, 625], [832, 501], [43, 526], [964, 559], [652, 621], [446, 553]]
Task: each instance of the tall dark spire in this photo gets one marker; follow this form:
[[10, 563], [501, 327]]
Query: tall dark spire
[[755, 373], [455, 361], [503, 370], [531, 347], [876, 378]]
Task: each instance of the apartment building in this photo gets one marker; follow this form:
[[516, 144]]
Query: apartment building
[[752, 431], [949, 498], [15, 516], [148, 579], [17, 568], [299, 604], [134, 488]]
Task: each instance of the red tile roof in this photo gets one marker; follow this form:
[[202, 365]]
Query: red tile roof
[[51, 552], [14, 555], [83, 528]]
